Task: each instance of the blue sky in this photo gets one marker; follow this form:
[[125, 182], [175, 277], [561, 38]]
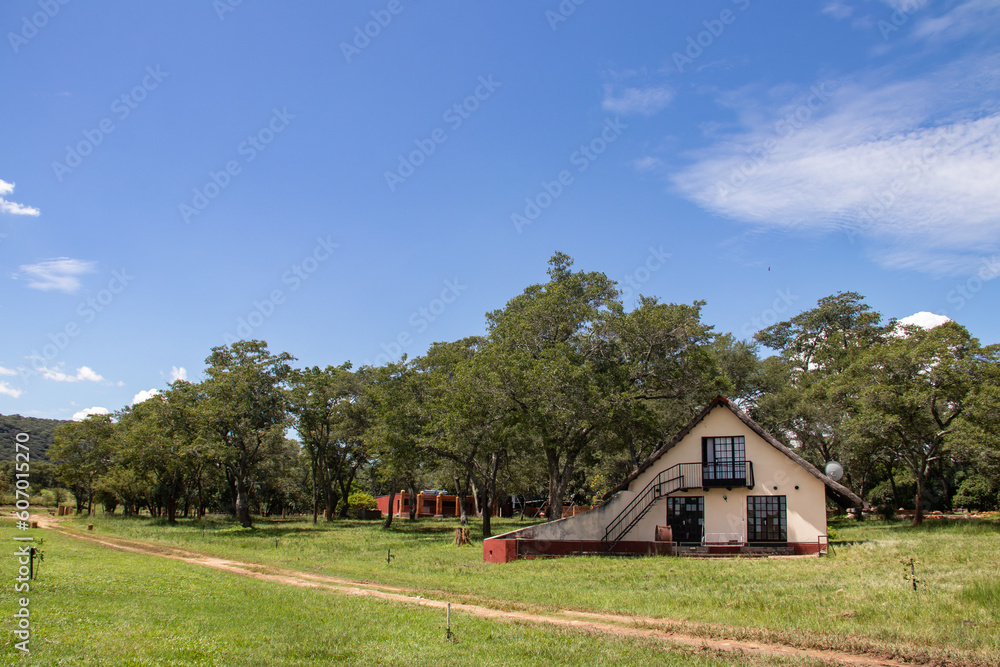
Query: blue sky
[[350, 181]]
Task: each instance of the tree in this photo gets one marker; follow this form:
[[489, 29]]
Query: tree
[[666, 366], [245, 411], [162, 439], [548, 367], [331, 424], [912, 393], [467, 422], [391, 397], [82, 452], [815, 348]]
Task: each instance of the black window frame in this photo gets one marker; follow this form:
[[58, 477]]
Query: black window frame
[[724, 459], [767, 519]]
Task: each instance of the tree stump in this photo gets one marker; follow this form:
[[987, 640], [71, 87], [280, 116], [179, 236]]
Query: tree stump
[[461, 536]]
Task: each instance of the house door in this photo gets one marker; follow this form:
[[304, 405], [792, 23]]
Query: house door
[[686, 517]]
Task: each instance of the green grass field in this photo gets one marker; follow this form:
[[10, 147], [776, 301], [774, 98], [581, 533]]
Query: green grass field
[[92, 601]]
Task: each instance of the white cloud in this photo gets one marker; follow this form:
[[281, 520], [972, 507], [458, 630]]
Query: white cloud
[[178, 374], [647, 163], [7, 371], [8, 390], [838, 10], [962, 20], [925, 320], [83, 414], [900, 163], [60, 274], [13, 207], [643, 101], [144, 395], [83, 374]]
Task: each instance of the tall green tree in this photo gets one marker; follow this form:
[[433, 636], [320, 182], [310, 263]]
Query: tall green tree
[[549, 367], [912, 393], [246, 412], [331, 423], [814, 349], [468, 423], [82, 452], [393, 397]]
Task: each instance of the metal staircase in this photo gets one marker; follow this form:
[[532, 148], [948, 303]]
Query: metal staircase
[[680, 477]]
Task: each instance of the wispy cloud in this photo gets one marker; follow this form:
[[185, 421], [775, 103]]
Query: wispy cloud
[[60, 274], [83, 374], [642, 101], [13, 208], [8, 390], [647, 163], [964, 19], [7, 371], [83, 414], [178, 374], [902, 163], [838, 10]]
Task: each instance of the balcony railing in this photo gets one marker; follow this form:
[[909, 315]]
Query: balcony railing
[[727, 474]]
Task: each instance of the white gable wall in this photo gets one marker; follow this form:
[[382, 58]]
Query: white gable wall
[[726, 509]]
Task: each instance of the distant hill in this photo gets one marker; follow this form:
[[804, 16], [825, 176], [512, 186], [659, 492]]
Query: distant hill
[[41, 432]]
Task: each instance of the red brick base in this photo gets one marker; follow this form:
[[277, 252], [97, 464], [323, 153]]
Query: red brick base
[[506, 550]]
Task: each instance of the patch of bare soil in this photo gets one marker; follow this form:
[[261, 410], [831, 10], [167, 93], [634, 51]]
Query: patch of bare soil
[[611, 624]]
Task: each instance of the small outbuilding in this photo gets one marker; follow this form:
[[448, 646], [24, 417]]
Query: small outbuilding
[[723, 485]]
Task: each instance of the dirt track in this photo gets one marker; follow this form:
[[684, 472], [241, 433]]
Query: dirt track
[[617, 625]]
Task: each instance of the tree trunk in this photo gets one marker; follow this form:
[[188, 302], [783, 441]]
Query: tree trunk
[[558, 480], [460, 493], [491, 494], [315, 489], [243, 504], [475, 498], [345, 492], [331, 503], [412, 486], [918, 515], [392, 502], [171, 502]]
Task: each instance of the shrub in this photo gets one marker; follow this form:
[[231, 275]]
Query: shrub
[[975, 493], [361, 501]]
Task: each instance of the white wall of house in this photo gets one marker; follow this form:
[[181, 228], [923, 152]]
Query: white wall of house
[[725, 509]]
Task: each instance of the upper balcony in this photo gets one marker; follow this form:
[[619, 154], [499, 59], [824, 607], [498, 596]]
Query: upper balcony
[[727, 474]]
